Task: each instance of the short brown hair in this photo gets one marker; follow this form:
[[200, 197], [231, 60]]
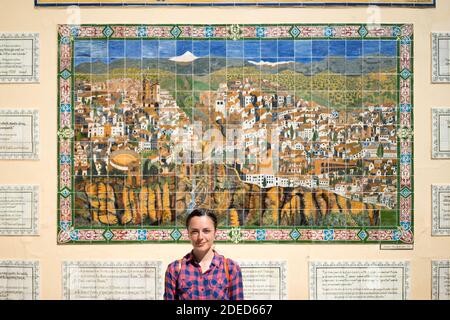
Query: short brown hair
[[200, 212]]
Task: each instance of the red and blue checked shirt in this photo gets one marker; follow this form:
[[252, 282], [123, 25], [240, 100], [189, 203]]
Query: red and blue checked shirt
[[189, 283]]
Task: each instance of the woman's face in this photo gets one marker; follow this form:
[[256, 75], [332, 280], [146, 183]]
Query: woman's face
[[201, 233]]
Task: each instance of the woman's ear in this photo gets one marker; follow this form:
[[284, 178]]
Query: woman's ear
[[189, 234]]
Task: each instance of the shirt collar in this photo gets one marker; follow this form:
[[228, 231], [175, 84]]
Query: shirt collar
[[215, 261]]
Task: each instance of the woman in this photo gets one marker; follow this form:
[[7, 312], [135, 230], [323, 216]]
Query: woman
[[203, 274]]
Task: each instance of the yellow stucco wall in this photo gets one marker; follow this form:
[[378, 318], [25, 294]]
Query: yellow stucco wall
[[21, 16]]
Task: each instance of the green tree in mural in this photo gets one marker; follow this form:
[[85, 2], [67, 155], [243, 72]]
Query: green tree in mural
[[189, 102], [380, 151], [264, 182], [315, 136]]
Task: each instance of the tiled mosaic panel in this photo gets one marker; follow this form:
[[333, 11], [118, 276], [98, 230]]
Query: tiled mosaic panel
[[290, 133], [407, 3]]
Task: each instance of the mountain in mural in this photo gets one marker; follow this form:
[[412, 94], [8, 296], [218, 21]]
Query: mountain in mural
[[189, 64]]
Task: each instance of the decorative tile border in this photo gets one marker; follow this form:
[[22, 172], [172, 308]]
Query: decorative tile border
[[68, 232], [290, 3]]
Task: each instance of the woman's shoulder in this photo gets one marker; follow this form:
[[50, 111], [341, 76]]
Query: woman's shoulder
[[231, 261], [232, 264], [176, 263], [173, 264]]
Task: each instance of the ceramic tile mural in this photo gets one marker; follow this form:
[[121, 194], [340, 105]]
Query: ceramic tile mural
[[396, 3], [291, 133]]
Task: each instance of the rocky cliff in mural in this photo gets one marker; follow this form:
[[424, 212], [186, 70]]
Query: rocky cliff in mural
[[165, 200]]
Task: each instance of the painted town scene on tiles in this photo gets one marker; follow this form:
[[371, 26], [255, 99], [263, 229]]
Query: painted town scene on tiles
[[290, 134]]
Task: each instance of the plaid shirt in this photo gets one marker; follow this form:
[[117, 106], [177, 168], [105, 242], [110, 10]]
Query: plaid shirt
[[188, 283]]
